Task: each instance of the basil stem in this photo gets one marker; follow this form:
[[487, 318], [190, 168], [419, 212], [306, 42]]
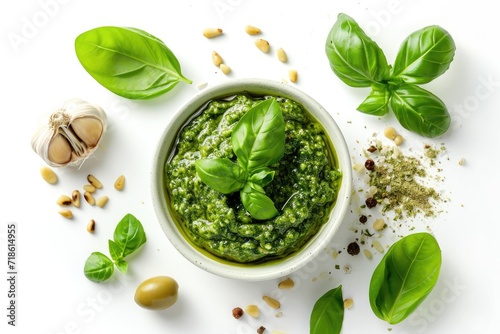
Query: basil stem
[[404, 277], [128, 61], [327, 315]]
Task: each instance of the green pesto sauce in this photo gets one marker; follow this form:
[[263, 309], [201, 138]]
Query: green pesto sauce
[[304, 188]]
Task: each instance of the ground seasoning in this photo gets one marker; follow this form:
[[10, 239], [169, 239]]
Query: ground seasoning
[[398, 180]]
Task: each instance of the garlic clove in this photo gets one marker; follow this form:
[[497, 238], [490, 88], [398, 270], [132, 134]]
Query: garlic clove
[[71, 135], [59, 151], [88, 129]]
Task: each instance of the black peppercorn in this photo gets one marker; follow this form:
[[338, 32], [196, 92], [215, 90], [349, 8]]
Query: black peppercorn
[[353, 248], [370, 164], [363, 219], [371, 202]]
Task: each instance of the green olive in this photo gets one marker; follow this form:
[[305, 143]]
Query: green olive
[[157, 293]]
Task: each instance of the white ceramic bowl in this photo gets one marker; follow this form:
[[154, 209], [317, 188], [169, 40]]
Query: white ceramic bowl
[[276, 268]]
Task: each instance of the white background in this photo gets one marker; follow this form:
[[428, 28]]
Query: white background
[[40, 70]]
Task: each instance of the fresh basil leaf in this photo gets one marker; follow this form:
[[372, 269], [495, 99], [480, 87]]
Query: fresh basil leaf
[[404, 277], [115, 251], [221, 174], [377, 102], [257, 203], [327, 315], [420, 111], [98, 267], [129, 235], [129, 62], [424, 55], [262, 176], [258, 139], [354, 57]]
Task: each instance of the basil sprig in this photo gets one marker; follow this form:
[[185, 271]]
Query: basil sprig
[[327, 315], [129, 236], [404, 277], [258, 141], [423, 56], [128, 61]]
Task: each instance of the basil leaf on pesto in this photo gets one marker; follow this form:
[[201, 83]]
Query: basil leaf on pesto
[[257, 203], [221, 174], [259, 137], [258, 141]]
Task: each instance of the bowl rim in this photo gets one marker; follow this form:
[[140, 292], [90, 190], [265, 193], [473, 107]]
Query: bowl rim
[[315, 245]]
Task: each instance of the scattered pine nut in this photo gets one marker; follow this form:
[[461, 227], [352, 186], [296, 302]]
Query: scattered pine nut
[[251, 30], [292, 75], [89, 198], [398, 140], [252, 310], [273, 303], [390, 133], [89, 188], [48, 175], [64, 200], [378, 246], [279, 314], [75, 196], [101, 201], [348, 303], [91, 226], [225, 69], [120, 183], [286, 284], [66, 213], [379, 224], [262, 45], [280, 53], [216, 58], [367, 253], [461, 162], [212, 32], [94, 181]]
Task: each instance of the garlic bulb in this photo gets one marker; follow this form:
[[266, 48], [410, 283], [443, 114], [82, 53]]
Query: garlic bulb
[[72, 133]]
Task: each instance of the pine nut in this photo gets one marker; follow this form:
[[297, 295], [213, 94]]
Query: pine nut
[[286, 284], [225, 69], [348, 303], [91, 226], [378, 246], [280, 53], [251, 30], [64, 200], [390, 133], [89, 188], [292, 75], [120, 183], [89, 198], [212, 32], [216, 58], [398, 140], [252, 310], [367, 253], [75, 196], [66, 213], [379, 224], [262, 45], [273, 303], [101, 201], [94, 181], [48, 175]]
